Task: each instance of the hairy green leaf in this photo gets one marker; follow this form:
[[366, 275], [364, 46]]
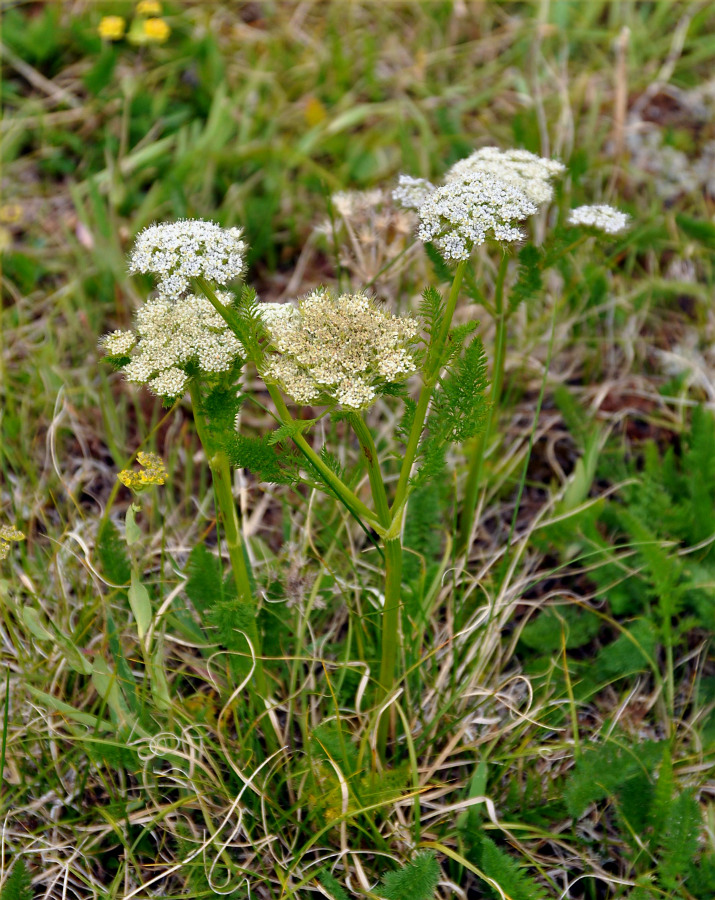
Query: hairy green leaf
[[415, 881], [508, 874]]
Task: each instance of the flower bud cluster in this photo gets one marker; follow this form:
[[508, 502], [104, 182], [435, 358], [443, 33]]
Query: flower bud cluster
[[8, 534], [179, 251], [605, 218], [339, 348], [523, 170], [171, 335], [153, 472]]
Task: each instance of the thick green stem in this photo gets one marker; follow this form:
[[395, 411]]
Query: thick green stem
[[476, 466], [432, 368], [221, 475]]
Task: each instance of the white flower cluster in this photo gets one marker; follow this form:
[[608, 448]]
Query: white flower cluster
[[465, 211], [606, 218], [118, 343], [411, 193], [171, 335], [521, 169], [189, 248], [483, 195], [340, 348]]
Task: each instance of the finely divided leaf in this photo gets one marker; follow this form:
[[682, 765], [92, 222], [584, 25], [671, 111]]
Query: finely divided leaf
[[508, 874], [260, 456], [415, 881]]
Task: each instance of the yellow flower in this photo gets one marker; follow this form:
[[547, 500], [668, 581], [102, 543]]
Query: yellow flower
[[8, 533], [156, 30], [153, 472], [111, 28], [148, 8]]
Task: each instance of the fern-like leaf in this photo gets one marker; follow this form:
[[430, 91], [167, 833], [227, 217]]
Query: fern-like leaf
[[331, 886], [679, 841], [508, 874], [432, 310], [250, 321], [290, 430], [659, 810], [603, 769], [415, 881], [18, 885], [459, 406], [259, 455]]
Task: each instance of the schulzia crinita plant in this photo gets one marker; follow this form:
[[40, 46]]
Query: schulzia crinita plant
[[338, 353], [495, 189]]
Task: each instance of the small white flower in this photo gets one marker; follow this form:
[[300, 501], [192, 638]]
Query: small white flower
[[411, 193], [521, 169], [171, 383], [469, 209], [118, 343], [179, 251], [606, 218]]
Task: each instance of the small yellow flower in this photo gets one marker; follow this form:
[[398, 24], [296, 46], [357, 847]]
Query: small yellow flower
[[156, 30], [8, 533], [148, 8], [153, 472], [111, 28]]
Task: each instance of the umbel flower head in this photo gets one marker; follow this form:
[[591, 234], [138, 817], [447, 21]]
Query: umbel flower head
[[171, 335], [8, 534], [529, 173], [466, 211], [605, 218], [176, 252], [152, 472], [339, 348]]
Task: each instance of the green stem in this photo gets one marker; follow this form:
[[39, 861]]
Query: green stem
[[377, 484], [474, 476], [432, 368], [393, 577], [221, 475]]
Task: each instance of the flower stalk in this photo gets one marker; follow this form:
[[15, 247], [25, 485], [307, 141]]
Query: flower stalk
[[221, 475]]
